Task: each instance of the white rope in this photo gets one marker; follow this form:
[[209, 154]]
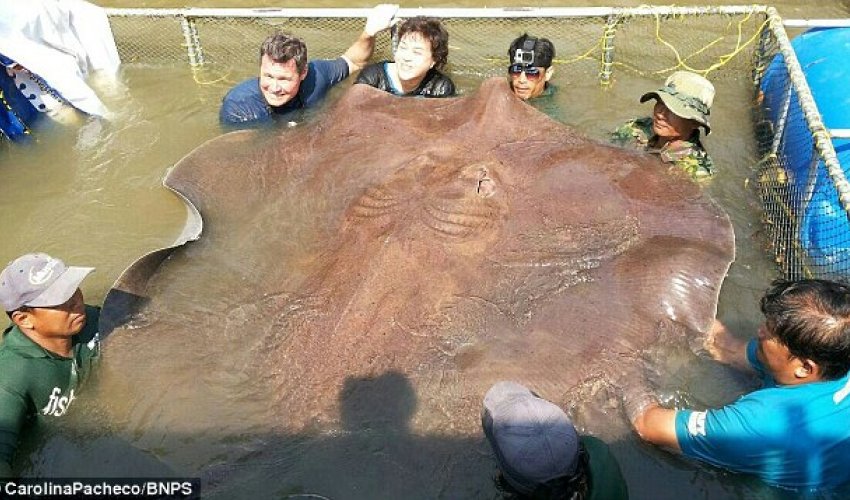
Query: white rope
[[816, 23], [503, 12]]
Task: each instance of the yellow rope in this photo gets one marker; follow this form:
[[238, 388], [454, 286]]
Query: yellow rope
[[196, 71], [681, 63], [581, 57]]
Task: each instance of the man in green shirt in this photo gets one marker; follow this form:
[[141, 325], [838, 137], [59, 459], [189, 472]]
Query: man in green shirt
[[682, 106], [539, 452], [48, 351]]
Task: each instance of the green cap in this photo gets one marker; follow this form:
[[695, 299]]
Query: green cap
[[688, 95]]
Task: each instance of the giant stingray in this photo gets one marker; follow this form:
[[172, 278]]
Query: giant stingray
[[450, 242]]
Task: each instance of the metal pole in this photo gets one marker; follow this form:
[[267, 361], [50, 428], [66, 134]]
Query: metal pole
[[816, 23], [611, 26], [193, 43], [500, 13], [782, 119], [760, 58], [810, 111]]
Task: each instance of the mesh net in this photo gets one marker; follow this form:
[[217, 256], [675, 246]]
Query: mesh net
[[702, 42], [800, 199], [806, 223]]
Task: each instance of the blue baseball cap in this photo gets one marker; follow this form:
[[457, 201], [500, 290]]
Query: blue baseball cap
[[39, 280], [534, 441]]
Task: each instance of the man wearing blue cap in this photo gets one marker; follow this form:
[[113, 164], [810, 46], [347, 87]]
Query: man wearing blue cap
[[539, 452], [48, 351]]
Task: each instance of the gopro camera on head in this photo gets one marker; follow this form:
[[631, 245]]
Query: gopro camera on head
[[525, 54]]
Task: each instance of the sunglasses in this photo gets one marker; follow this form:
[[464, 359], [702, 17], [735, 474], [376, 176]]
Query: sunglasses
[[531, 72]]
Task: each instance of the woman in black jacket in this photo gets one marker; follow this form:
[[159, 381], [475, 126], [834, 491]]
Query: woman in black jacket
[[423, 49]]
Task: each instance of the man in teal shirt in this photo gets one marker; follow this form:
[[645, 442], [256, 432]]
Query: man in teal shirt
[[793, 432], [48, 351]]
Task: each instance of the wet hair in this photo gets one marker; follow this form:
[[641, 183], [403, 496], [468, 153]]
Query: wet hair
[[812, 319], [575, 487], [433, 32], [544, 50], [281, 48]]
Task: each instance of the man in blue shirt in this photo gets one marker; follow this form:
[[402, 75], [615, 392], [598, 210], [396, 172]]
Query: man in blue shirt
[[287, 82], [795, 431]]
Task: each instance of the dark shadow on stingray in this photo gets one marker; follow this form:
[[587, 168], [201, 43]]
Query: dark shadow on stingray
[[374, 455]]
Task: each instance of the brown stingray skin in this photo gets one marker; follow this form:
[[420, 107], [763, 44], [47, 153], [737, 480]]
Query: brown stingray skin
[[457, 241]]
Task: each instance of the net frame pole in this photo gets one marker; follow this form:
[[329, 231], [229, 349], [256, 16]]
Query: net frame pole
[[820, 135], [779, 135], [760, 59], [484, 12], [610, 32], [805, 201], [193, 42], [816, 23]]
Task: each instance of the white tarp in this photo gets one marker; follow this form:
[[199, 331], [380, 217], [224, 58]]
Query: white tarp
[[62, 41]]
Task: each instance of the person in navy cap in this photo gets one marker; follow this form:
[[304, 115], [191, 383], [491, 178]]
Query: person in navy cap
[[539, 452]]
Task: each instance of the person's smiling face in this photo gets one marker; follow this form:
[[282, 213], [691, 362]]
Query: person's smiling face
[[413, 57], [279, 82]]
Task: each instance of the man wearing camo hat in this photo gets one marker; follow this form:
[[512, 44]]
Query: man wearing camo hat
[[682, 106], [539, 452], [48, 351]]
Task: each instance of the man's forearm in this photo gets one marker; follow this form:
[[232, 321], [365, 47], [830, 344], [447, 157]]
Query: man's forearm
[[726, 347], [360, 51], [657, 425]]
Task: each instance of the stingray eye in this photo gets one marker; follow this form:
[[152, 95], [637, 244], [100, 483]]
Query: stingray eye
[[486, 187]]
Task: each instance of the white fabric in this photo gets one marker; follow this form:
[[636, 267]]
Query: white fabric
[[29, 87], [63, 42]]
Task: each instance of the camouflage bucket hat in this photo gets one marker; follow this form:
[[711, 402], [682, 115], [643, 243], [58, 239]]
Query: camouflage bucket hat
[[688, 95]]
